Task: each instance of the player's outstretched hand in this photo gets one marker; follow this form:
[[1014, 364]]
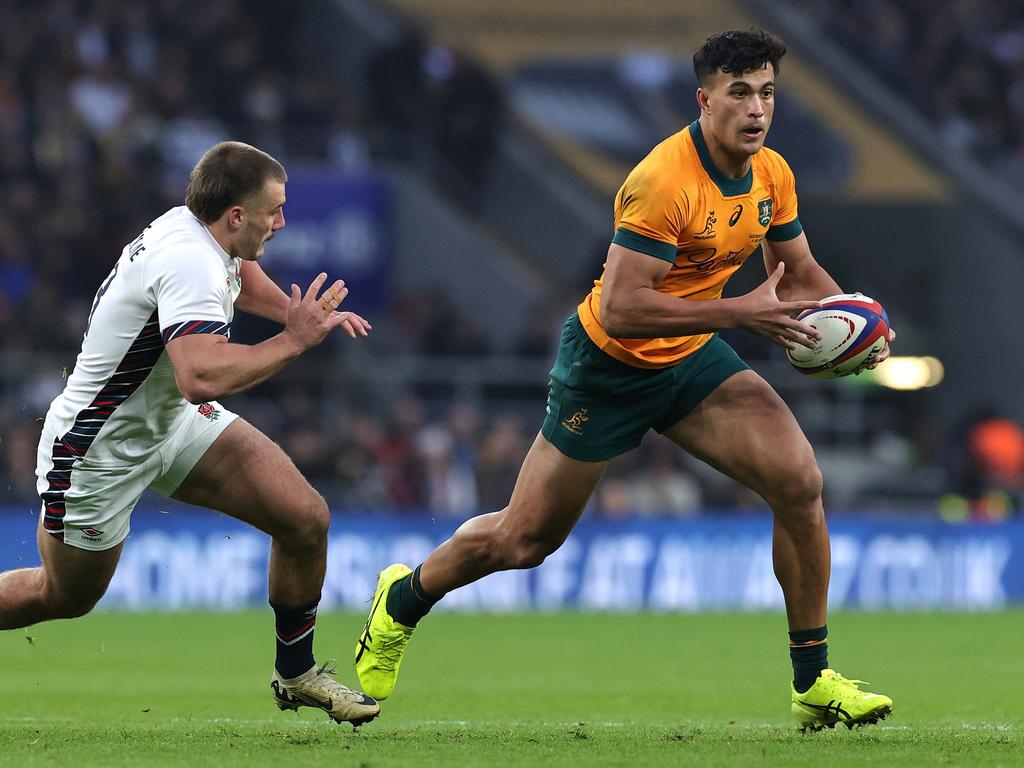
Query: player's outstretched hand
[[352, 324], [311, 318], [764, 314]]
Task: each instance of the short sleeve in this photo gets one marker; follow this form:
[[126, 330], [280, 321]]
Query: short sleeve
[[190, 290], [649, 217], [785, 224]]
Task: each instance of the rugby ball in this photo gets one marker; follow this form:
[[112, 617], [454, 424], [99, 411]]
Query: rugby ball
[[853, 328]]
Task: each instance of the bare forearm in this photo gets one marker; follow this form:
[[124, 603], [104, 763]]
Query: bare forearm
[[261, 296], [810, 282], [235, 368], [649, 314]]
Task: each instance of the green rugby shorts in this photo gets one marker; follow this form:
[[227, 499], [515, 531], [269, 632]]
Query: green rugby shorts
[[599, 408]]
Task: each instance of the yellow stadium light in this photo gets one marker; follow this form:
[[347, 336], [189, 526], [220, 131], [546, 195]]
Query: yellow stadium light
[[909, 373]]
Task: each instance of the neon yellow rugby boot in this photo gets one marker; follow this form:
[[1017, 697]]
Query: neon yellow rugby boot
[[383, 640], [834, 699]]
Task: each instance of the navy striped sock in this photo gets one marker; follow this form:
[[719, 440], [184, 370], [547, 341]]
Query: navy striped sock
[[294, 628]]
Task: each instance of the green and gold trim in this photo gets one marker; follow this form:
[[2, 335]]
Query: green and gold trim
[[728, 187], [636, 242], [787, 231]]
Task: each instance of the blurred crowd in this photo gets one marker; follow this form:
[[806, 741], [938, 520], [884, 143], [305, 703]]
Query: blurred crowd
[[960, 62], [454, 461], [104, 107], [106, 104], [462, 460]]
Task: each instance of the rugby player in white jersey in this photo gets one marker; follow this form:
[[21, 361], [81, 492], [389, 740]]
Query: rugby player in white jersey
[[140, 411]]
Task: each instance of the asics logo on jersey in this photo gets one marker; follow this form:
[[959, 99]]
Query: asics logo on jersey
[[736, 213]]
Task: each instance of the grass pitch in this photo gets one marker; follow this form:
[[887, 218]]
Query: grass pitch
[[522, 690]]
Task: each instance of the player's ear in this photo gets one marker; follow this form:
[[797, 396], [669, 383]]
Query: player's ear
[[235, 214], [702, 100]]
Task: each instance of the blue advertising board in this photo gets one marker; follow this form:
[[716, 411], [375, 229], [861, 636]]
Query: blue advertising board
[[336, 224], [184, 558]]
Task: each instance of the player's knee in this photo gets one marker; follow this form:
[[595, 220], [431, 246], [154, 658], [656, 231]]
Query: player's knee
[[525, 552], [313, 520], [799, 487], [319, 517]]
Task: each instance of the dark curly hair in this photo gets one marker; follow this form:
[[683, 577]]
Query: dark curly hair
[[737, 51]]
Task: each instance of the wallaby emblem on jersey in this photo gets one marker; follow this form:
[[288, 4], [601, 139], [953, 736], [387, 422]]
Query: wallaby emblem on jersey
[[709, 228]]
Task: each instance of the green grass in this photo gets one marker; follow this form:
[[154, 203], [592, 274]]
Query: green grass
[[559, 690]]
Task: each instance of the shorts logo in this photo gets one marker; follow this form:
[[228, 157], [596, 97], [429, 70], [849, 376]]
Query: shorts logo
[[207, 410], [575, 424], [91, 534], [764, 212]]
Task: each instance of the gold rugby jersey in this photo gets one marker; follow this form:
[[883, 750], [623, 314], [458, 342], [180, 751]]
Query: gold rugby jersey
[[677, 206]]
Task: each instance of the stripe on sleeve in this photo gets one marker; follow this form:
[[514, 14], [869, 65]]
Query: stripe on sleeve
[[627, 238], [786, 231], [190, 327]]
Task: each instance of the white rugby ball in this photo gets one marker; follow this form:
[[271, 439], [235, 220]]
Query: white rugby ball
[[853, 328]]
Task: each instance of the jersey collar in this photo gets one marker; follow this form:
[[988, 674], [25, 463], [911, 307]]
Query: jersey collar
[[728, 187], [226, 257]]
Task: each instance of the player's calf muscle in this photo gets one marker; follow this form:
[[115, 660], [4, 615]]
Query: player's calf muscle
[[523, 551], [504, 549], [20, 597], [26, 598]]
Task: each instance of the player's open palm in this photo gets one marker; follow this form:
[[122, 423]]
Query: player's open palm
[[311, 318], [765, 315]]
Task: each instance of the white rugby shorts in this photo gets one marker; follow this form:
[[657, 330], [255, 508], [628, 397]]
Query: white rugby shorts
[[87, 501]]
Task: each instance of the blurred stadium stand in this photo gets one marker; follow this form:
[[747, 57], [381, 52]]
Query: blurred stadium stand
[[495, 135]]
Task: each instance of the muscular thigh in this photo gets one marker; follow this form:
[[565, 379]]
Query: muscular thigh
[[246, 475], [745, 430], [550, 494]]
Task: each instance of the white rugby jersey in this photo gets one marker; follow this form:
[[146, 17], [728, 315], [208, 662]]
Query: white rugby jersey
[[121, 400]]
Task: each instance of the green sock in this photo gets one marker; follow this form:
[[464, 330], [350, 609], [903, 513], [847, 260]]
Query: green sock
[[407, 601], [808, 650]]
